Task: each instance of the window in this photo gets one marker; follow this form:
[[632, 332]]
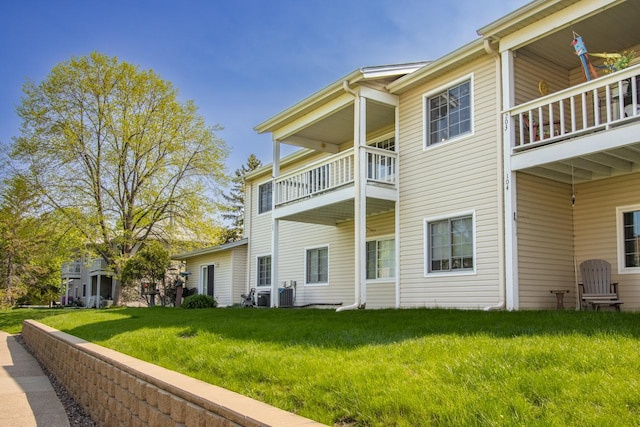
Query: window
[[450, 244], [317, 266], [381, 167], [385, 144], [381, 259], [629, 239], [264, 270], [448, 113], [264, 197]]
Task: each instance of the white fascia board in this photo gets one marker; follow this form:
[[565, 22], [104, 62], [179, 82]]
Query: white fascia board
[[550, 24], [314, 116]]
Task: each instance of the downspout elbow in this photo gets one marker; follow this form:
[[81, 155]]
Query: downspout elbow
[[347, 88]]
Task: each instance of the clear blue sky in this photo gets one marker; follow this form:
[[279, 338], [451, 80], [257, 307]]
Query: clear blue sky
[[240, 61]]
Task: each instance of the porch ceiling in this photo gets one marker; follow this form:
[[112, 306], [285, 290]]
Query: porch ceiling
[[607, 163], [611, 30], [339, 212], [337, 128]]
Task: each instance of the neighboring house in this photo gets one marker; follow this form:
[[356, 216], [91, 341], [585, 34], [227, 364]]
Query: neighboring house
[[479, 180], [218, 271], [84, 279]]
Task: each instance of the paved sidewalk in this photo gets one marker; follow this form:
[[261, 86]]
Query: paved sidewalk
[[26, 396]]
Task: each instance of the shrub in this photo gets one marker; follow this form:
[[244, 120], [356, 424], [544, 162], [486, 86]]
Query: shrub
[[199, 301]]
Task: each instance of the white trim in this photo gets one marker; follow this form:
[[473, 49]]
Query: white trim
[[427, 221], [257, 257], [620, 239], [383, 238], [425, 113], [258, 213], [308, 248], [202, 268]]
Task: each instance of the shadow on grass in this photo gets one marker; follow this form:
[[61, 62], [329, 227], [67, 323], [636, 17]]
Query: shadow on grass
[[326, 328]]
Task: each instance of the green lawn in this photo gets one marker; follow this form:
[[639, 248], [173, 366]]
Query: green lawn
[[390, 367]]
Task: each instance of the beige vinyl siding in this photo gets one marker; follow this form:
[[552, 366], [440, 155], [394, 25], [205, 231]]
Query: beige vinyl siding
[[381, 293], [545, 242], [596, 234], [529, 71], [260, 229], [448, 179]]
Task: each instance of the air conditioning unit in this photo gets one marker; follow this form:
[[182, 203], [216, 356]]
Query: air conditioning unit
[[286, 297], [264, 299]]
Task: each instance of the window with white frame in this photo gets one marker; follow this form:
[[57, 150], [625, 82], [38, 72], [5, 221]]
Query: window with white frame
[[628, 219], [265, 192], [448, 113], [317, 266], [381, 259], [450, 244], [264, 270]]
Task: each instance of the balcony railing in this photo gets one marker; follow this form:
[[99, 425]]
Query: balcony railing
[[71, 267], [591, 106], [98, 264], [334, 172]]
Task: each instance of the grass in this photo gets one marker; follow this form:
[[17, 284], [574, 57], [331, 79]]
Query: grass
[[391, 367]]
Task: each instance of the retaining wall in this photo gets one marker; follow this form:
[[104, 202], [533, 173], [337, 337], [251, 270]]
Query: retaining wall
[[119, 390]]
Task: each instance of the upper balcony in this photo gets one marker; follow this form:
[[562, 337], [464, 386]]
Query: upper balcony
[[98, 266], [565, 124], [323, 192], [71, 270]]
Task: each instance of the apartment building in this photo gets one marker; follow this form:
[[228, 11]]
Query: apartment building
[[479, 180]]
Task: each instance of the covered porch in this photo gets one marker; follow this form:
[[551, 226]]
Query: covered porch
[[571, 146]]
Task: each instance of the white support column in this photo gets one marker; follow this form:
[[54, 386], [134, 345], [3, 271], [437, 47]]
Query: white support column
[[275, 226], [98, 289], [510, 194], [360, 199]]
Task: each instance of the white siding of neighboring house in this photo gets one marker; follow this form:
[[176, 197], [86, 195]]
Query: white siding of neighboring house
[[229, 274], [545, 242], [596, 233], [460, 176]]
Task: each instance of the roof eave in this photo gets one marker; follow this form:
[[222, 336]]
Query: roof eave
[[210, 250], [335, 88], [475, 48]]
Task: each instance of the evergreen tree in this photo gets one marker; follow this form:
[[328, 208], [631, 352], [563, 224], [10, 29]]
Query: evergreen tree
[[233, 209]]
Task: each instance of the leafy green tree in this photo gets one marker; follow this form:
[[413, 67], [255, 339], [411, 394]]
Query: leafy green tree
[[111, 147], [233, 208], [148, 268], [32, 246]]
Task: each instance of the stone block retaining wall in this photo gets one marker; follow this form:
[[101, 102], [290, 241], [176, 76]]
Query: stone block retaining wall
[[119, 390]]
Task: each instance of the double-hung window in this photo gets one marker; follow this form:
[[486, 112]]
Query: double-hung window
[[264, 270], [265, 192], [381, 259], [317, 266], [448, 113], [628, 219], [450, 244]]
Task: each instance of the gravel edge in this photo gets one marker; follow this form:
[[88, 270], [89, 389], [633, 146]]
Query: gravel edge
[[75, 413]]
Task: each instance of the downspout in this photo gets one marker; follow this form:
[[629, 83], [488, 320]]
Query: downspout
[[356, 304], [501, 270]]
